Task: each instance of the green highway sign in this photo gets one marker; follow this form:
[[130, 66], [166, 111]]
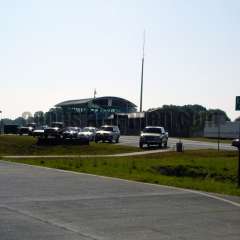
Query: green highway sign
[[238, 103]]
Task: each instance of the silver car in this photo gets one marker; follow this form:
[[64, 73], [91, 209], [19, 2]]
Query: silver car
[[89, 132], [108, 133], [153, 135]]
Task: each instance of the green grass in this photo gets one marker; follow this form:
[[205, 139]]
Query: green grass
[[205, 170], [26, 145], [214, 140]]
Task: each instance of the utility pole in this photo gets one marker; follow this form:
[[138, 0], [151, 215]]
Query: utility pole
[[1, 122], [95, 93], [141, 92], [239, 156], [236, 143], [218, 126]]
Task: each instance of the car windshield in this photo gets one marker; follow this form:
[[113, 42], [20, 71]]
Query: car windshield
[[86, 129], [58, 125], [71, 129], [106, 129], [152, 130], [40, 128]]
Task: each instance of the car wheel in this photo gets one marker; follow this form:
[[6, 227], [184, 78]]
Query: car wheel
[[160, 145], [165, 144], [117, 140]]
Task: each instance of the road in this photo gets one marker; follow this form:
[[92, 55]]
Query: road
[[188, 144], [40, 203]]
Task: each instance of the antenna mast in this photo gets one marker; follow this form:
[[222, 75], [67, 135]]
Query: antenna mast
[[141, 92]]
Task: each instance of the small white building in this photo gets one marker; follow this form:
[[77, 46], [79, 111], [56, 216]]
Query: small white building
[[227, 130]]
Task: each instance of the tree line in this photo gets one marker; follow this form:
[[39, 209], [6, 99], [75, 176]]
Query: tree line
[[187, 120]]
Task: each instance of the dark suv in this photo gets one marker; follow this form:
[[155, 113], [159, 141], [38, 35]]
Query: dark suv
[[54, 131]]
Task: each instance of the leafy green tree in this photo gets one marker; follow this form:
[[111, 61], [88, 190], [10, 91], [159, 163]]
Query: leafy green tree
[[39, 118]]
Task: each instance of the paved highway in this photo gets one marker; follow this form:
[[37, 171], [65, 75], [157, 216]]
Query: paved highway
[[188, 144], [38, 203]]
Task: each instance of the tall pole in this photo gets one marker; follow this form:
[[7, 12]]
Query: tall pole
[[95, 93], [141, 93], [239, 155], [218, 136], [1, 122]]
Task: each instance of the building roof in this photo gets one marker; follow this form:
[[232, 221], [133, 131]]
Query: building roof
[[73, 102], [90, 100]]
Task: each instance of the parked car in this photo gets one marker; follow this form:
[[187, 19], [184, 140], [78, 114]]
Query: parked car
[[54, 131], [70, 132], [39, 131], [108, 133], [89, 132], [27, 130], [24, 131], [236, 143], [153, 135]]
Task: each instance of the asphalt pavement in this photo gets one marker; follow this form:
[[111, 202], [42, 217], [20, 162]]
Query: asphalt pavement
[[40, 203], [188, 144]]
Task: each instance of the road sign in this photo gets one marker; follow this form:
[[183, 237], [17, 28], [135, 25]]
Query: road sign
[[238, 103]]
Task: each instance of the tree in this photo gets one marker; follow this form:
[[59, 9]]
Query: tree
[[215, 115], [6, 121], [20, 121], [39, 118], [184, 121]]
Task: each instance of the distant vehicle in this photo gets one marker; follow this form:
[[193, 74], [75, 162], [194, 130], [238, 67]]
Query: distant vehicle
[[236, 143], [24, 131], [70, 132], [39, 131], [27, 130], [108, 133], [89, 132], [10, 129], [153, 135], [54, 131]]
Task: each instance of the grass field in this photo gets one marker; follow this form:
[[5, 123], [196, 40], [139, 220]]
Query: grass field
[[214, 140], [205, 170], [26, 145]]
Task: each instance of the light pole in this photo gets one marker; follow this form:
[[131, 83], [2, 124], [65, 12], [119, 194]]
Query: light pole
[[141, 91], [0, 121], [236, 143]]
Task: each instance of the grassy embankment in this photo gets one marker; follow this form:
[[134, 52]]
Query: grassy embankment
[[205, 170], [213, 140], [26, 145]]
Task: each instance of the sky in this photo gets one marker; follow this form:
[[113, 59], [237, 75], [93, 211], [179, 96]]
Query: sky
[[56, 50]]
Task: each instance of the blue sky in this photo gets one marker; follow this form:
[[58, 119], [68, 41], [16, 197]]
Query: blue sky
[[55, 50]]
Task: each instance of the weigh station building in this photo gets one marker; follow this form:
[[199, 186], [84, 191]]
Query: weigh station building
[[95, 111]]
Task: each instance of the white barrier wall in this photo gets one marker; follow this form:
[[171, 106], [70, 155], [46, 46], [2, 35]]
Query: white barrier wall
[[227, 130]]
